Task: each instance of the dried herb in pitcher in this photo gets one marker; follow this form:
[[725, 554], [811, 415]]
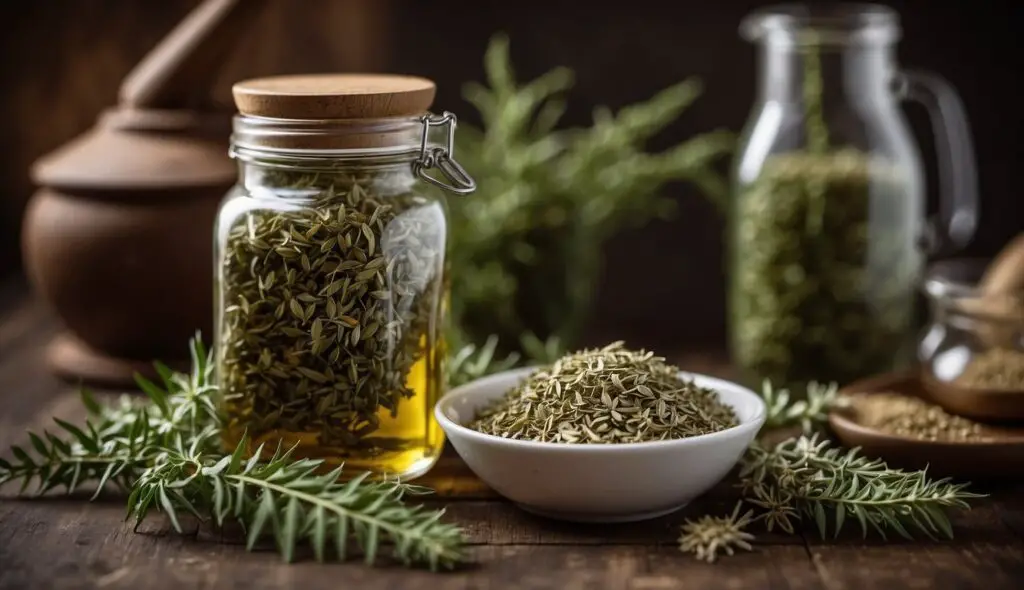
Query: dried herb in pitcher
[[998, 369], [328, 303], [822, 283], [606, 395], [824, 268]]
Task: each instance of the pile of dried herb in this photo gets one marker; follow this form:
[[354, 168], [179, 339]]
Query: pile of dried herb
[[606, 395], [329, 297], [998, 368], [904, 415]]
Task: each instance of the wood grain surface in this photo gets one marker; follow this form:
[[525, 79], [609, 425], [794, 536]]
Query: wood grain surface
[[61, 542]]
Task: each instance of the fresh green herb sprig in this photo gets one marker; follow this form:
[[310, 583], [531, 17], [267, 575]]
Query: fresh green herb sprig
[[119, 440], [166, 454], [293, 501], [471, 362], [109, 448], [808, 414], [807, 477]]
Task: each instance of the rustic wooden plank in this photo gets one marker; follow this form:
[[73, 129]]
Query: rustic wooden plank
[[91, 546], [778, 567], [26, 387], [24, 320], [502, 523], [452, 479], [993, 566], [94, 541]]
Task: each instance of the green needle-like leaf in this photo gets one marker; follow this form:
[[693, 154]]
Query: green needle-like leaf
[[810, 476], [166, 454], [560, 193]]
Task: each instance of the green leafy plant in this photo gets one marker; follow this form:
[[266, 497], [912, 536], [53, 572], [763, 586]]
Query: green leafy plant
[[807, 477], [119, 440], [809, 413], [292, 501], [471, 362], [166, 454], [526, 245]]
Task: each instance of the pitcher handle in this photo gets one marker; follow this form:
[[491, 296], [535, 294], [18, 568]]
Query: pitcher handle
[[958, 178]]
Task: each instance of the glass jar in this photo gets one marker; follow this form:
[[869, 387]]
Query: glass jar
[[827, 227], [330, 272], [974, 340]]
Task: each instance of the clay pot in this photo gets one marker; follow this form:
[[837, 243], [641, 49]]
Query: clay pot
[[118, 240]]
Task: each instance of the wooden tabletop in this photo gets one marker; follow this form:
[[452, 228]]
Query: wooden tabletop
[[60, 542]]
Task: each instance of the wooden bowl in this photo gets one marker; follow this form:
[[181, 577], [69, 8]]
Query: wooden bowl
[[987, 405], [1002, 457]]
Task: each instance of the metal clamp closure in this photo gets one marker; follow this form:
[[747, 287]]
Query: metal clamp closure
[[442, 158]]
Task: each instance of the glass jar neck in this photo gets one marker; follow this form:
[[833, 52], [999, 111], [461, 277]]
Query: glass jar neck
[[845, 74], [968, 308], [312, 177], [847, 49]]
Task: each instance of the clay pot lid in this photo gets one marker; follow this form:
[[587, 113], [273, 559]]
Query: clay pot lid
[[334, 96], [133, 149]]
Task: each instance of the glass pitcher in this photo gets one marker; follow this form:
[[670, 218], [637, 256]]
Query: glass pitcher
[[828, 232]]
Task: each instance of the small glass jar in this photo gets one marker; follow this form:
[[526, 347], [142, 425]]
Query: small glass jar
[[330, 271], [974, 341]]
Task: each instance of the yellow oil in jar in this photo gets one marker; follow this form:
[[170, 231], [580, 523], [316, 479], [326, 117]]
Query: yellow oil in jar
[[406, 444]]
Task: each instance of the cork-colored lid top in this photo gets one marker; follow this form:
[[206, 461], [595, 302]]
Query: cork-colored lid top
[[334, 96]]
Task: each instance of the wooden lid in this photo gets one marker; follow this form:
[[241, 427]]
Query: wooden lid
[[334, 96]]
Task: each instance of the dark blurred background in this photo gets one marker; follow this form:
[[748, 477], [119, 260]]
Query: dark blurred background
[[62, 62]]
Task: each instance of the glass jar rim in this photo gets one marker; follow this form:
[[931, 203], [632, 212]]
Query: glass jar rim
[[404, 139], [326, 137], [807, 24]]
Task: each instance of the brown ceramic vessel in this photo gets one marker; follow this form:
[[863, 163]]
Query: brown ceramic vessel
[[118, 238]]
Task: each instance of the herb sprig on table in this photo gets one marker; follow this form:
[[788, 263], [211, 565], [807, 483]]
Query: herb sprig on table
[[165, 452], [804, 477], [807, 477]]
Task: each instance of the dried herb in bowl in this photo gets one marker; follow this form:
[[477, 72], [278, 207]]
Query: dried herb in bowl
[[606, 395]]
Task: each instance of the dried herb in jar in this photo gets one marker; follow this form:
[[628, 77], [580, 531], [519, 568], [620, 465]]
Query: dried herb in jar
[[606, 395], [328, 299]]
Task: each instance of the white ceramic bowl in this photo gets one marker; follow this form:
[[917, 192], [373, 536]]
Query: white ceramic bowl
[[595, 482]]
